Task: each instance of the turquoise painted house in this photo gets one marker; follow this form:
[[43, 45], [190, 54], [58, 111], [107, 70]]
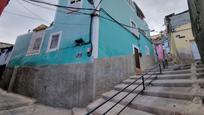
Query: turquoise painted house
[[76, 37], [90, 47]]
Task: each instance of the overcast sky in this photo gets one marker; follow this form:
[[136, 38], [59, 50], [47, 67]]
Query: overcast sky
[[13, 24]]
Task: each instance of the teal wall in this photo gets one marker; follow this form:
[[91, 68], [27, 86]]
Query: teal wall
[[65, 54], [73, 26], [114, 40]]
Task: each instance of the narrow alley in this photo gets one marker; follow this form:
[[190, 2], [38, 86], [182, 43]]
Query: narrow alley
[[101, 57]]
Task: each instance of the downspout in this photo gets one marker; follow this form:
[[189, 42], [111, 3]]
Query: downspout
[[95, 31], [94, 35]]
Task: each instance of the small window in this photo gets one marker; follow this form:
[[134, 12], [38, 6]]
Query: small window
[[147, 50], [36, 43], [54, 42]]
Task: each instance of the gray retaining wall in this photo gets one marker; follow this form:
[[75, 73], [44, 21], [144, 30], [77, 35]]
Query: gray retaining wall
[[71, 85]]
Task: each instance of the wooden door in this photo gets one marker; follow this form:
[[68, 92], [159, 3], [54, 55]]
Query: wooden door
[[137, 58]]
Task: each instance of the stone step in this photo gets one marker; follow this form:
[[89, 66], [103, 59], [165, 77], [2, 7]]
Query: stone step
[[162, 77], [25, 110], [200, 75], [146, 76], [79, 111], [11, 101], [36, 110], [115, 110], [169, 83], [179, 67], [185, 93], [159, 105], [200, 70], [177, 71], [167, 72], [200, 66]]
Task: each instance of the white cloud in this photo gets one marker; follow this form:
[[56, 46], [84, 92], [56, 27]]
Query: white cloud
[[156, 10], [11, 26]]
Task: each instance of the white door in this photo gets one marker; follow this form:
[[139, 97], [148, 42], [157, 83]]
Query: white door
[[196, 54]]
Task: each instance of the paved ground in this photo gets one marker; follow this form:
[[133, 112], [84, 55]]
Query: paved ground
[[12, 104]]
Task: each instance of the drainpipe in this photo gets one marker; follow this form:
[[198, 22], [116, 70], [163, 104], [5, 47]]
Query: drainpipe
[[95, 30], [94, 41]]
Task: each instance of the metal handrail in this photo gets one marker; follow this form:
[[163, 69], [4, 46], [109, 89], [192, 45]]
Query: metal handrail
[[143, 83], [135, 95]]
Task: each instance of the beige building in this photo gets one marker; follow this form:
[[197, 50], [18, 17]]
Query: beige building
[[182, 42]]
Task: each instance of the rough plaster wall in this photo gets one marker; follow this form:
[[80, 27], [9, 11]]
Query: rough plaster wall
[[6, 78], [73, 85], [110, 72], [185, 56], [61, 85], [146, 62], [197, 16]]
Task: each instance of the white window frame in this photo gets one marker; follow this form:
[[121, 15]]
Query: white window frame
[[50, 39], [135, 30], [147, 49], [133, 48], [30, 50]]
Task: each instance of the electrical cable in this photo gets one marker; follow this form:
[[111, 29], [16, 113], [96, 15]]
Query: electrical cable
[[59, 6], [24, 16], [38, 19], [58, 10], [78, 12], [99, 4], [33, 13]]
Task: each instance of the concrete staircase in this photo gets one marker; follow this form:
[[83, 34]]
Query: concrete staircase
[[178, 91], [14, 104]]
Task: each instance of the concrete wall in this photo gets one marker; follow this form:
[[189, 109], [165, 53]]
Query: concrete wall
[[147, 62], [57, 85], [196, 9], [111, 71], [73, 85], [5, 79]]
